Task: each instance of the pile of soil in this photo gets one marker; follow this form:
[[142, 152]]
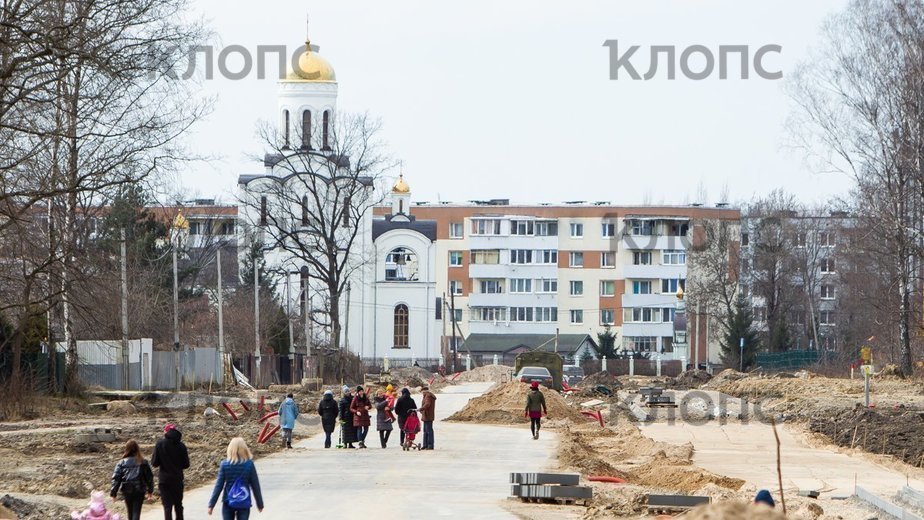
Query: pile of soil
[[601, 378], [724, 377], [734, 511], [895, 432], [34, 510], [890, 372], [689, 380], [486, 374], [410, 377], [504, 404]]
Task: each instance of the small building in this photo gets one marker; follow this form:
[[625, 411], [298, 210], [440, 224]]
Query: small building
[[483, 347]]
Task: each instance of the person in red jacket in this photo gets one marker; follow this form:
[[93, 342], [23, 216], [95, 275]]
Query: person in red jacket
[[361, 420]]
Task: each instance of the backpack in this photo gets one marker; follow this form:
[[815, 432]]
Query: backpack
[[238, 496]]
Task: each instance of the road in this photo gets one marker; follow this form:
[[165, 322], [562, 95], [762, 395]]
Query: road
[[466, 476]]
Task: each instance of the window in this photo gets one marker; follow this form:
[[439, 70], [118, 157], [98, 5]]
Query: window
[[744, 239], [667, 344], [285, 129], [577, 230], [347, 206], [457, 315], [401, 326], [678, 229], [826, 317], [521, 256], [827, 239], [576, 259], [548, 285], [546, 314], [744, 290], [674, 257], [521, 314], [607, 317], [491, 287], [486, 227], [325, 133], [799, 239], [401, 265], [827, 265], [455, 287], [521, 285], [577, 287], [306, 216], [641, 258], [521, 227], [641, 343], [607, 288], [455, 258], [667, 314], [827, 292], [547, 229], [488, 256], [547, 256], [671, 285], [608, 230], [760, 314], [642, 227], [797, 318], [491, 313], [607, 259], [197, 228], [227, 228], [641, 287], [643, 315], [455, 230], [306, 129], [577, 316], [263, 211]]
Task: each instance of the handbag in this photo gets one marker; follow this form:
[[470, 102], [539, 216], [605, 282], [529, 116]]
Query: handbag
[[238, 496]]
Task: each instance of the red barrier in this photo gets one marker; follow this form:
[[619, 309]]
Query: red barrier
[[269, 435], [596, 415], [430, 382], [454, 376], [262, 401], [244, 405], [565, 387], [267, 416], [263, 431], [230, 411], [603, 478]]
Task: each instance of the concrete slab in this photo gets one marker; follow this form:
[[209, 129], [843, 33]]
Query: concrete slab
[[466, 476]]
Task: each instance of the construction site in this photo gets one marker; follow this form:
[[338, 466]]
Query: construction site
[[692, 446]]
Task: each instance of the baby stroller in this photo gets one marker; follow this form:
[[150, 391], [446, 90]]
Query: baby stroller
[[411, 429]]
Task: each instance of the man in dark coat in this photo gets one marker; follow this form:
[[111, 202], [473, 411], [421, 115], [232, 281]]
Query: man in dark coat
[[404, 405], [171, 457], [427, 415], [347, 430], [328, 410]]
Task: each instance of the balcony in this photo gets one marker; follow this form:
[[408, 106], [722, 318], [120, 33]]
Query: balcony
[[654, 271], [512, 300], [657, 242]]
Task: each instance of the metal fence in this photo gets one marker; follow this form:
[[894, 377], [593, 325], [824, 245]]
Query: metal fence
[[638, 367], [791, 359]]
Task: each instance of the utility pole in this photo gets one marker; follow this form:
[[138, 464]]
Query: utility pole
[[741, 346], [221, 320], [307, 316], [125, 360], [256, 320], [291, 328], [176, 321], [443, 315], [556, 339], [696, 336], [452, 307]]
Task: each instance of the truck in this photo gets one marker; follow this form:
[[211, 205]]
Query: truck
[[549, 360]]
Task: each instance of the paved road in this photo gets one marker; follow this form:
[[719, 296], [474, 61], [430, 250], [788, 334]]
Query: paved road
[[466, 476]]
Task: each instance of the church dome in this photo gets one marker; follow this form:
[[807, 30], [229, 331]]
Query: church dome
[[312, 67], [401, 186]]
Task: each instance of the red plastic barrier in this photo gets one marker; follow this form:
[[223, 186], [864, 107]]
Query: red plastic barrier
[[454, 376], [263, 431], [565, 387], [267, 416], [262, 402], [244, 405], [603, 478], [230, 411], [430, 382], [596, 415], [270, 434]]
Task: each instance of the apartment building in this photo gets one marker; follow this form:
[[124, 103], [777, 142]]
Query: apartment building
[[573, 268]]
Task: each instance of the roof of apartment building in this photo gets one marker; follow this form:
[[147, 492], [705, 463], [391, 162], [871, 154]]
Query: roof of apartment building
[[503, 343], [503, 207]]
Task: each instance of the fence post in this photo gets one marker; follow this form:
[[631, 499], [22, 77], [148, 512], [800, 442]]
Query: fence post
[[603, 364], [631, 366], [658, 366]]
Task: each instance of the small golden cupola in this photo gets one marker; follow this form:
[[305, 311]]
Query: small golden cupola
[[400, 185], [401, 198], [311, 67]]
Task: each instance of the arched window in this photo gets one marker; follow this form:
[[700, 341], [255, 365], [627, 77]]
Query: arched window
[[305, 216], [401, 326], [401, 265], [285, 129], [306, 129], [325, 135]]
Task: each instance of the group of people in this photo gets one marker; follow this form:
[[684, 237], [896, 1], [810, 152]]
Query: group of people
[[354, 413]]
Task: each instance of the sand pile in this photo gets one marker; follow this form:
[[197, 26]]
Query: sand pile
[[486, 374], [689, 379], [890, 372], [410, 377], [665, 472], [734, 511], [601, 378], [504, 404], [723, 377]]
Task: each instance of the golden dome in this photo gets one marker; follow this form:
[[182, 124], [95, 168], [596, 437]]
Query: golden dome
[[312, 67], [680, 293], [400, 186]]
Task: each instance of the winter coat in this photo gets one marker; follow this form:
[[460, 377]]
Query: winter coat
[[382, 422], [404, 405], [361, 405], [328, 410], [347, 430], [288, 412], [171, 456], [228, 474], [535, 402], [428, 406], [133, 477]]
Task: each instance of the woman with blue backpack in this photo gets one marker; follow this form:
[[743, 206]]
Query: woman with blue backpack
[[237, 479]]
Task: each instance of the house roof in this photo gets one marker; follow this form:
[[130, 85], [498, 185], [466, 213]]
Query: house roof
[[426, 228], [567, 343]]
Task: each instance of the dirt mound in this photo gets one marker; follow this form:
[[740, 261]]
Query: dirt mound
[[689, 380], [486, 374], [725, 376], [601, 378], [31, 510], [734, 511], [120, 408], [410, 377], [504, 404], [665, 472], [893, 432], [890, 372]]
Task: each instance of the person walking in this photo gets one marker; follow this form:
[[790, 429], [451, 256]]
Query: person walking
[[171, 457], [361, 420], [535, 408], [347, 430], [288, 412], [427, 414], [403, 406], [328, 410], [134, 477], [383, 419], [237, 482]]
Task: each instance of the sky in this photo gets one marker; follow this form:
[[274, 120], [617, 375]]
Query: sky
[[486, 99]]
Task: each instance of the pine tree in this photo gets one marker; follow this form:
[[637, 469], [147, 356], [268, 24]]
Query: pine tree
[[740, 325], [606, 344]]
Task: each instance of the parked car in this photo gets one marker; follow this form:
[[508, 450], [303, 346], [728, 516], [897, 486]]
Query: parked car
[[540, 374], [573, 374]]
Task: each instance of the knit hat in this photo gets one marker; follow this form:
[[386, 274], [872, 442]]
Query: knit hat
[[168, 427], [389, 388], [534, 384], [764, 497], [405, 392], [328, 392], [359, 388], [346, 389]]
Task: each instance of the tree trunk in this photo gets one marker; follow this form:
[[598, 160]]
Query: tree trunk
[[335, 329]]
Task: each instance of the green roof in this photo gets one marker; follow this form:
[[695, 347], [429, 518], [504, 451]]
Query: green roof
[[500, 343]]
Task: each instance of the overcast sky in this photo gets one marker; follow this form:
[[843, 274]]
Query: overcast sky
[[512, 99]]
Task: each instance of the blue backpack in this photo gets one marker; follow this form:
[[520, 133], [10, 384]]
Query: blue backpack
[[238, 496]]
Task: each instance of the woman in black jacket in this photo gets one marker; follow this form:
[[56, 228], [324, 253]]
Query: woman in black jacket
[[328, 410], [404, 405], [347, 430], [134, 476]]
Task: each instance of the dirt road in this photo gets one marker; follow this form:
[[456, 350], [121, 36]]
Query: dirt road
[[464, 477]]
